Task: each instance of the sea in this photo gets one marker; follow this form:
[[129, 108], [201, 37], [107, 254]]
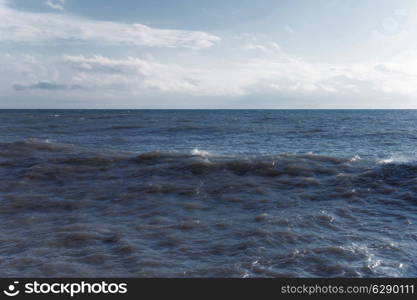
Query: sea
[[208, 193]]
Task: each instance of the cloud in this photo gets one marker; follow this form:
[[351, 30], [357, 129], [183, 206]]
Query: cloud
[[137, 73], [268, 48], [279, 75], [48, 86], [241, 67], [56, 4], [26, 27]]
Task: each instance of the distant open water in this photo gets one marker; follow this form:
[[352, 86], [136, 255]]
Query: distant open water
[[194, 193]]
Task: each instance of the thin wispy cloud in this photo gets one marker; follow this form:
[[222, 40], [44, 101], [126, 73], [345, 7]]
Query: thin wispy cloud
[[27, 27], [56, 4]]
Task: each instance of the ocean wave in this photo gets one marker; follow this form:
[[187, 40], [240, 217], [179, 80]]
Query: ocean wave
[[45, 160], [293, 163], [198, 213]]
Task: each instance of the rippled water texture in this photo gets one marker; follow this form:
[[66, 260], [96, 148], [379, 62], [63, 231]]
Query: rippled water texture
[[208, 193]]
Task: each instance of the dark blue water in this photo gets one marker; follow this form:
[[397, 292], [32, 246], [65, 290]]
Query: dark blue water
[[367, 133], [211, 193]]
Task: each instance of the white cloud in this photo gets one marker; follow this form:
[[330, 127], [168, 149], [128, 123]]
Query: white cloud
[[133, 80], [56, 4], [138, 73], [268, 48], [282, 74], [27, 27]]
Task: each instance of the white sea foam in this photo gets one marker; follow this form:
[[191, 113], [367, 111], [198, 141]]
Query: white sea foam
[[201, 153], [397, 159], [355, 158]]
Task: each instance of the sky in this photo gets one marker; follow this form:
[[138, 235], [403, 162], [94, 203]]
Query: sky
[[208, 54]]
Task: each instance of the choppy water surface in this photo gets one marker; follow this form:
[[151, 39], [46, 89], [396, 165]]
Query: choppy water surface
[[208, 193]]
